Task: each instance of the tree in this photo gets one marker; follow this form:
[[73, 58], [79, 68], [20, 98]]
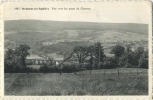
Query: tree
[[15, 59], [69, 56], [80, 53], [98, 52], [143, 61], [109, 62], [8, 60], [137, 54], [9, 54], [22, 52], [12, 62], [117, 50], [90, 51], [127, 58]]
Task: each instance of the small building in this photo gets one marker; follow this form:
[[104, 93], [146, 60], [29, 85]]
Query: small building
[[36, 60], [40, 60]]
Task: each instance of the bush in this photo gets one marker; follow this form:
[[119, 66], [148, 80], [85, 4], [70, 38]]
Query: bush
[[79, 66], [48, 69], [28, 70], [54, 69], [88, 66], [44, 68], [16, 69], [100, 65], [95, 65], [143, 63], [109, 63], [8, 69], [69, 67]]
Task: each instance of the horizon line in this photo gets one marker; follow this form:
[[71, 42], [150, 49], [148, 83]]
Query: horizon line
[[76, 21]]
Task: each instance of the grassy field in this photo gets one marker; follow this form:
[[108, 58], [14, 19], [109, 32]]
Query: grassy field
[[128, 82]]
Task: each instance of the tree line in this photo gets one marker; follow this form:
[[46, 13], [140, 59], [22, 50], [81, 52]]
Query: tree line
[[80, 58]]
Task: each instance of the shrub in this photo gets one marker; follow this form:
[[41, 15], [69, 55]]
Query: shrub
[[69, 67], [109, 63], [54, 69], [88, 66], [44, 68], [95, 65], [143, 63], [100, 65], [79, 66]]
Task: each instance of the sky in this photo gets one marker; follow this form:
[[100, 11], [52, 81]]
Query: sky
[[112, 12]]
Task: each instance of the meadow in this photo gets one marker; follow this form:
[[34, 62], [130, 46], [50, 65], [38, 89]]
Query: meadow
[[128, 82]]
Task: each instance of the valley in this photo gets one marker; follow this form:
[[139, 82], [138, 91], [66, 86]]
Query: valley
[[57, 36]]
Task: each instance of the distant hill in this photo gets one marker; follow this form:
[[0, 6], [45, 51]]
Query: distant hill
[[62, 46], [55, 36], [38, 25]]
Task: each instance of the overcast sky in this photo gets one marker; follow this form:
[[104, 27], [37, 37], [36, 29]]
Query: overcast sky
[[127, 12]]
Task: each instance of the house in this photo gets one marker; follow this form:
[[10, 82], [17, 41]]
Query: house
[[36, 60], [40, 60]]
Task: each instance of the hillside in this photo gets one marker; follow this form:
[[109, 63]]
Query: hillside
[[54, 36], [62, 46], [38, 25]]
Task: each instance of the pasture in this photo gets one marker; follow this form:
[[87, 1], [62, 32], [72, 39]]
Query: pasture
[[128, 82]]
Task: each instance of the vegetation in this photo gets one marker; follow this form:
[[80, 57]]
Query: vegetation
[[128, 83], [80, 53], [15, 60], [88, 58], [116, 65]]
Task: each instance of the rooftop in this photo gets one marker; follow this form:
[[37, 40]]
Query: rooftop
[[109, 55], [36, 57]]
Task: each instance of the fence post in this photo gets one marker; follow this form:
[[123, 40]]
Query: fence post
[[118, 72], [137, 71]]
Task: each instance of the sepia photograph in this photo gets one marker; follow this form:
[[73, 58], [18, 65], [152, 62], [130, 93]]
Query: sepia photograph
[[57, 53]]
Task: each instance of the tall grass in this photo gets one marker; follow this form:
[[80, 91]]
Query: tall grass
[[81, 84]]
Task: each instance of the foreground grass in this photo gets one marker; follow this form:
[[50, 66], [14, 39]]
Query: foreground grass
[[127, 83]]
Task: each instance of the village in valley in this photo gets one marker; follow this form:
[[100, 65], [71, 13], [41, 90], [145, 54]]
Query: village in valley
[[75, 58]]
